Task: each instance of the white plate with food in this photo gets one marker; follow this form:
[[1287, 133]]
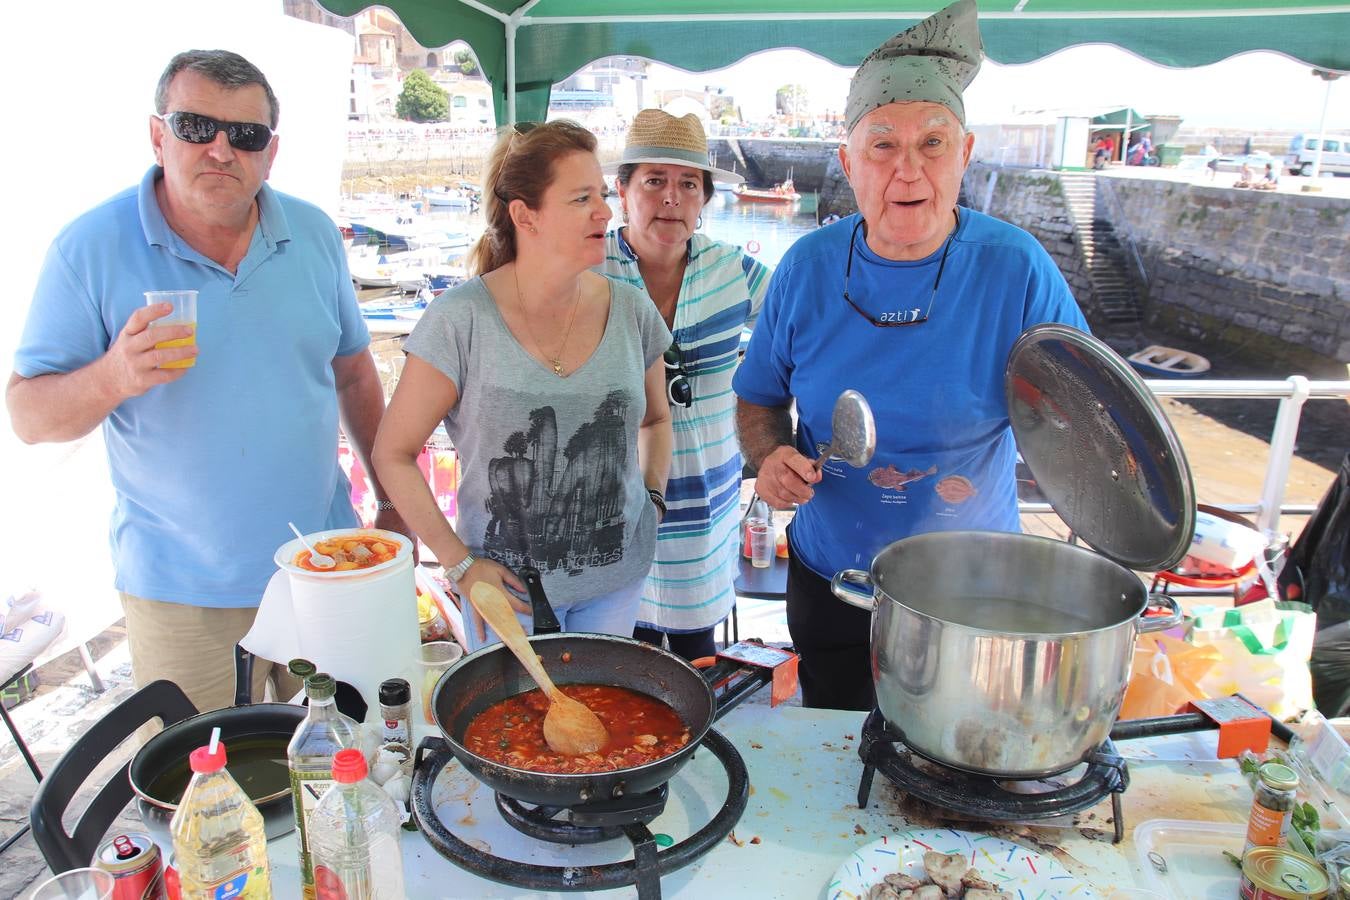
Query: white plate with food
[[969, 865]]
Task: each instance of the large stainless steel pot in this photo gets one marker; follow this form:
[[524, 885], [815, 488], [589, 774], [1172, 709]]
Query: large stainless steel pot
[[1004, 654], [1008, 654]]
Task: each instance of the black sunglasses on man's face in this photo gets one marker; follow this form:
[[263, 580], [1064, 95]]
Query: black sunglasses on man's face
[[195, 128]]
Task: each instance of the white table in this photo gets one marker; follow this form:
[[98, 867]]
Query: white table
[[804, 774]]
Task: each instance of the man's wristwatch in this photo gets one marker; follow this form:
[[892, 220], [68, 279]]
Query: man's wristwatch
[[382, 505], [456, 572]]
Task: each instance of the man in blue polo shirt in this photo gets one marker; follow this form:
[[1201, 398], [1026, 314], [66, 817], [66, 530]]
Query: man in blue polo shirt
[[914, 302], [211, 461]]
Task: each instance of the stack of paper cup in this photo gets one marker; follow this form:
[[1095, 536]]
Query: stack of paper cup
[[360, 625]]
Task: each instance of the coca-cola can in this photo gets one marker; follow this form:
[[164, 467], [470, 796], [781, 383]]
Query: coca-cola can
[[133, 861]]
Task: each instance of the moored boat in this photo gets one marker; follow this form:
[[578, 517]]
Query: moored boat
[[1168, 362], [779, 193]]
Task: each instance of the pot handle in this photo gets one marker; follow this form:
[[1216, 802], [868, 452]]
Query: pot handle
[[851, 596], [545, 620], [1173, 618]]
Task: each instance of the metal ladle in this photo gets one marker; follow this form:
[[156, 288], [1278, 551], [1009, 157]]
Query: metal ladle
[[853, 438], [853, 435]]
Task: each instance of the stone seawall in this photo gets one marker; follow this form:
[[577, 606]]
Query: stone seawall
[[1246, 273], [768, 161], [1240, 266]]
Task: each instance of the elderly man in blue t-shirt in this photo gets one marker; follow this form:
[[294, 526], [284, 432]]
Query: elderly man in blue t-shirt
[[915, 303], [209, 461]]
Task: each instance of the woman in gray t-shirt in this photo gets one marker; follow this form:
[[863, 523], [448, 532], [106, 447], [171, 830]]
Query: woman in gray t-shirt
[[550, 381]]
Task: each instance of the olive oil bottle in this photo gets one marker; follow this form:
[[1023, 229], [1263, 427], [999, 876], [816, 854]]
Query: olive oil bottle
[[309, 756]]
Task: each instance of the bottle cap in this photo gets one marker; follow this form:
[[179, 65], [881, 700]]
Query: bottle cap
[[1279, 777], [320, 686], [395, 692], [348, 766], [301, 668], [204, 761]]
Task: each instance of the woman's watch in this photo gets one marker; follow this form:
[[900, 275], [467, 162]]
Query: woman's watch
[[456, 572]]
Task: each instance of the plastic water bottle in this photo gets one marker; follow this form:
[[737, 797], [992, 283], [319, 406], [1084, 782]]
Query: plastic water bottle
[[219, 847], [353, 837]]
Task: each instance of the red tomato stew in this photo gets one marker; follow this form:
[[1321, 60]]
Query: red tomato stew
[[642, 729], [351, 551]]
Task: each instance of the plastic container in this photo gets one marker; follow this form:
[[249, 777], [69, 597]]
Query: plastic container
[[309, 756], [354, 837], [758, 514], [219, 847], [1184, 860]]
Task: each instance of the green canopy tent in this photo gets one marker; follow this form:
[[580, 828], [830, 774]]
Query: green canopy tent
[[526, 46]]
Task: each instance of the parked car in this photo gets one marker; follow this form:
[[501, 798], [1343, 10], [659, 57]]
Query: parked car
[[1303, 152], [1257, 159]]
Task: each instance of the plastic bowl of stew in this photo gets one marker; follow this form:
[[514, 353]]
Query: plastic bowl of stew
[[293, 557]]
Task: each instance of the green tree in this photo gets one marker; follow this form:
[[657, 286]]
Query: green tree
[[421, 100], [466, 62]]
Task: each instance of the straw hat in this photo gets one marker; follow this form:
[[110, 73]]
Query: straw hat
[[659, 137]]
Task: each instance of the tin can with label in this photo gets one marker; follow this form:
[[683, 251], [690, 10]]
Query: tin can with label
[[133, 861], [172, 890], [1273, 873]]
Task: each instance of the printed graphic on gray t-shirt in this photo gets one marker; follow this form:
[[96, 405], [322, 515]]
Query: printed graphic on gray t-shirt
[[557, 502]]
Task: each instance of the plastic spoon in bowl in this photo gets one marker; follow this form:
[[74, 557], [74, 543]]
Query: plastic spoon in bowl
[[570, 728], [315, 557]]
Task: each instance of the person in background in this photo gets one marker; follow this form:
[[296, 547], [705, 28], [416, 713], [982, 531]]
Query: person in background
[[210, 462], [550, 381], [707, 292], [1270, 181], [914, 302], [1246, 176]]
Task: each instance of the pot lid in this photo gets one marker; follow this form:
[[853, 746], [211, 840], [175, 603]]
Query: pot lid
[[1100, 447]]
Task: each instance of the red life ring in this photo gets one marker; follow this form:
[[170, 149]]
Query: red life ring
[[752, 246]]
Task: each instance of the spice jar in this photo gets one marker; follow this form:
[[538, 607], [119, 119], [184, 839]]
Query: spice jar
[[431, 625], [396, 711], [1272, 806]]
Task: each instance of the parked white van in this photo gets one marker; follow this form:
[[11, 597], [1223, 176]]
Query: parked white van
[[1303, 151]]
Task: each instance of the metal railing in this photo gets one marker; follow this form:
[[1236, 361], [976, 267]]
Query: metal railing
[[1292, 393]]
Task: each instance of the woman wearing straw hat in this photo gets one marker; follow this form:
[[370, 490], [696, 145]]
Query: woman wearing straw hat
[[550, 381], [707, 292]]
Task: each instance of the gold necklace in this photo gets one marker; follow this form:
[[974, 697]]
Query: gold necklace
[[555, 361]]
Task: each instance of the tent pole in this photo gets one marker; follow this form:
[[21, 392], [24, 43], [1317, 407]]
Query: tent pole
[[1328, 77], [511, 25]]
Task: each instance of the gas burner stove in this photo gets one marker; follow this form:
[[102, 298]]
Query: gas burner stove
[[983, 797], [596, 822]]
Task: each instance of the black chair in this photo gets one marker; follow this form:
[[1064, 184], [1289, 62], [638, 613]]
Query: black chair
[[65, 851], [23, 749]]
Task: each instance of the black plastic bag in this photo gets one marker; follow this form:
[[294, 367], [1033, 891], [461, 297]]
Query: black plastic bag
[[1317, 572]]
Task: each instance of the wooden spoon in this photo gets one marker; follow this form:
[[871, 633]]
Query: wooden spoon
[[570, 728]]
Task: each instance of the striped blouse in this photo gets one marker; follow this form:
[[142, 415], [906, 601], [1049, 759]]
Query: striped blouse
[[692, 583]]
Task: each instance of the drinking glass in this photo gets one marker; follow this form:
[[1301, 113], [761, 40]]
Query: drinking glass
[[761, 545], [435, 658], [77, 884], [184, 313]]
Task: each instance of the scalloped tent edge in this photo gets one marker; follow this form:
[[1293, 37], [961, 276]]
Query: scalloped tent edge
[[524, 48]]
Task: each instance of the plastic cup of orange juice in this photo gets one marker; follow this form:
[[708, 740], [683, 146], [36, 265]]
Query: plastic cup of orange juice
[[184, 313]]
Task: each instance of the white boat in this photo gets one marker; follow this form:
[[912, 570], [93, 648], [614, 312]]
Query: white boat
[[450, 198], [1168, 362]]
